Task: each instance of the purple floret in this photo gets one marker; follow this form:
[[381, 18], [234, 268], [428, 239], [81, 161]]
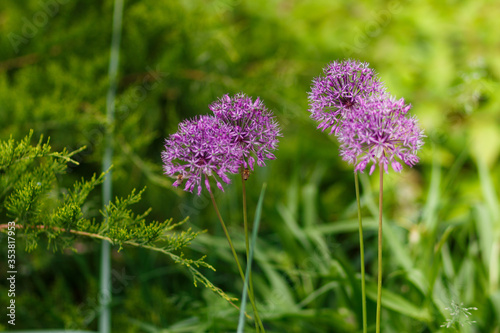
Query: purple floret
[[254, 129], [339, 90], [203, 147], [380, 132]]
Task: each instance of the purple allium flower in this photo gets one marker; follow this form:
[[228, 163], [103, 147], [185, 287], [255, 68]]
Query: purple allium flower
[[379, 131], [254, 128], [201, 148], [342, 87]]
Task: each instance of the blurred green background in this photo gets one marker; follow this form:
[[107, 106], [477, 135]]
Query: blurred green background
[[442, 218]]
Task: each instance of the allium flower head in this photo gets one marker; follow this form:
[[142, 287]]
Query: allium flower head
[[201, 148], [379, 131], [339, 90], [253, 127]]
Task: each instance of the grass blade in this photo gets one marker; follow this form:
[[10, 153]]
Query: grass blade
[[256, 222], [399, 304]]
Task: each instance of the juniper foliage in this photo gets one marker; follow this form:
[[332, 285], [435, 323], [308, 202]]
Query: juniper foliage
[[32, 197]]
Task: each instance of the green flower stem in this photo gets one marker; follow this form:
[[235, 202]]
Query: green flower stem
[[379, 283], [362, 253], [234, 254], [247, 244]]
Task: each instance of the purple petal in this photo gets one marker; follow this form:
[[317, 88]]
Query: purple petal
[[372, 168], [397, 166]]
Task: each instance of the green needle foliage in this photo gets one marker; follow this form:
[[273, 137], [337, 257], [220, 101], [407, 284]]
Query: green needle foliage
[[31, 197]]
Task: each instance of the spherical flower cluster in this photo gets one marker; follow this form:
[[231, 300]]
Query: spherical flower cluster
[[214, 146], [253, 127], [371, 126], [340, 90], [201, 148], [379, 132]]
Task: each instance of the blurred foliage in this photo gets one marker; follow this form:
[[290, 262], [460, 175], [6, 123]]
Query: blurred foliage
[[442, 219]]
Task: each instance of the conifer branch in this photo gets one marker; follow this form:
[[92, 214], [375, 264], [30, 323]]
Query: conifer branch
[[30, 197]]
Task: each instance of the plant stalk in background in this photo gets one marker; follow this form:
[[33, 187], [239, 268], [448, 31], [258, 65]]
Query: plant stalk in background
[[114, 58]]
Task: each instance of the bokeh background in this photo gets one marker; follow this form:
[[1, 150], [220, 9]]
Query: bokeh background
[[442, 217]]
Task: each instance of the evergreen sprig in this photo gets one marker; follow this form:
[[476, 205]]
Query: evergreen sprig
[[31, 197]]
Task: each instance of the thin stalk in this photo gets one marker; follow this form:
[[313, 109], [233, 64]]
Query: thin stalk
[[104, 324], [233, 251], [379, 283], [362, 253], [247, 245]]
